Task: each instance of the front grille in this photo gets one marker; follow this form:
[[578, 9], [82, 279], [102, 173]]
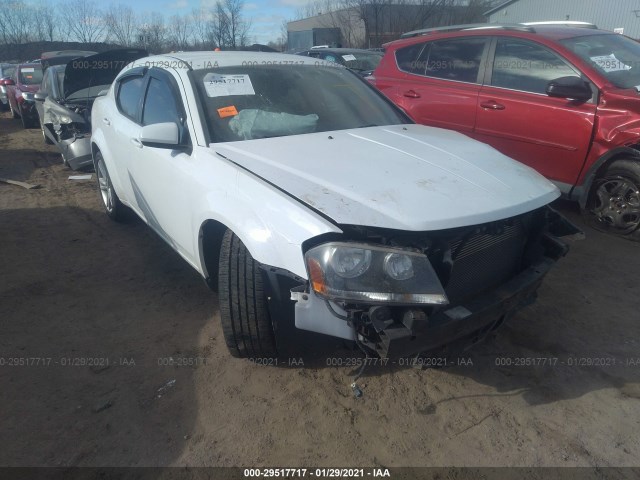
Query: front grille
[[484, 259]]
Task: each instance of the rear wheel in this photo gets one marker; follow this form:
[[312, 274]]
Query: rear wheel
[[614, 201], [244, 314], [112, 205]]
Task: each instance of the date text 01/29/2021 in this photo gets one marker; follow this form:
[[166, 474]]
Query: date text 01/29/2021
[[316, 472]]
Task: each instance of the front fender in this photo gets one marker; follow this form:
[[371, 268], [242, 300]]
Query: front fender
[[581, 191], [270, 223], [99, 142]]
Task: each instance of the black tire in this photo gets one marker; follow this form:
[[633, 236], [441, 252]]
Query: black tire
[[244, 314], [25, 122], [613, 205], [47, 140], [112, 205]]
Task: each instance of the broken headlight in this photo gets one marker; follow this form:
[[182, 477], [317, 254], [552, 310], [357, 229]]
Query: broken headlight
[[356, 272]]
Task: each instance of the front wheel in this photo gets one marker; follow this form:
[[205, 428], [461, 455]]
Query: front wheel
[[46, 139], [25, 122], [244, 314], [614, 201], [112, 205]]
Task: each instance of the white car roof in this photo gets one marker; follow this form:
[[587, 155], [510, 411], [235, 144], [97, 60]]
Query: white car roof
[[208, 59]]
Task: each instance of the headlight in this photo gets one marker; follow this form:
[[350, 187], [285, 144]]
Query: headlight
[[373, 274], [64, 119], [398, 266], [350, 262], [28, 96]]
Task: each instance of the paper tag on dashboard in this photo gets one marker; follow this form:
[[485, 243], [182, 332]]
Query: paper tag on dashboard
[[348, 57], [609, 63], [218, 85]]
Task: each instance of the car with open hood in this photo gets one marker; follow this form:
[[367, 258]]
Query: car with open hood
[[311, 202], [72, 80]]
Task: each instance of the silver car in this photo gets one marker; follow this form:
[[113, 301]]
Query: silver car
[[66, 96]]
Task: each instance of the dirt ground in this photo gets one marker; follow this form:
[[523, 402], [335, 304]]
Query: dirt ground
[[76, 288]]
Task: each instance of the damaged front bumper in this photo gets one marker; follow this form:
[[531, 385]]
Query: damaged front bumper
[[28, 110], [76, 151], [394, 331]]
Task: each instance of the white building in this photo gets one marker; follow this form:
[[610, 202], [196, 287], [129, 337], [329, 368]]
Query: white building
[[622, 16]]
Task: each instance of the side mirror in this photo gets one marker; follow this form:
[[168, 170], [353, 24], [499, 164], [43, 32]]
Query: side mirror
[[573, 88], [7, 81], [40, 96], [161, 135]]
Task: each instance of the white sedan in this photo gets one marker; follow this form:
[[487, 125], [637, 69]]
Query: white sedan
[[311, 202]]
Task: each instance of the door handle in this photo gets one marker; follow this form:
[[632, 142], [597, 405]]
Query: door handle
[[411, 94], [136, 142], [492, 105], [106, 121]]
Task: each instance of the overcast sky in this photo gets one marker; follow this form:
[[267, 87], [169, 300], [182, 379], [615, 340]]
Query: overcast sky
[[266, 16]]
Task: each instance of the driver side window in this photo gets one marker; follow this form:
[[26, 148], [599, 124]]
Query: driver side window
[[162, 106], [159, 104], [526, 66]]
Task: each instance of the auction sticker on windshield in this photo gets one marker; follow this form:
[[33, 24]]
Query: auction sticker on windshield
[[609, 63], [218, 85]]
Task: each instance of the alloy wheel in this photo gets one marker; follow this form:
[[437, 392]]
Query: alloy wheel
[[617, 204], [106, 189]]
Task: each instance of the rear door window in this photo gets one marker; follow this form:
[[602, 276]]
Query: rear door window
[[457, 59], [407, 58]]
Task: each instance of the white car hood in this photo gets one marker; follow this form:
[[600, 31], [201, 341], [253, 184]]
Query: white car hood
[[406, 177]]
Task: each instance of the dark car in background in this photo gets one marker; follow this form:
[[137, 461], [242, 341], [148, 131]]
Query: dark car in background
[[71, 82], [363, 62], [6, 71], [20, 90], [561, 99]]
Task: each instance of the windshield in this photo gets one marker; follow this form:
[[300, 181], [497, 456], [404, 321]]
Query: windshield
[[7, 72], [251, 102], [616, 57], [359, 61], [30, 75]]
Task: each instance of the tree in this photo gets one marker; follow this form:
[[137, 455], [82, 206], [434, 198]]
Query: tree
[[178, 32], [238, 26], [84, 21], [46, 21], [16, 21], [226, 27], [121, 24], [218, 26], [199, 26], [152, 33]]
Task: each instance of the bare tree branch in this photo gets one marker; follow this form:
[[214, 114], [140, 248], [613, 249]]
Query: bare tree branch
[[152, 33], [84, 21], [122, 24]]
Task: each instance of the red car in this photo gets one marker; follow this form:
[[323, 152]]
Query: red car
[[563, 100], [21, 88]]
